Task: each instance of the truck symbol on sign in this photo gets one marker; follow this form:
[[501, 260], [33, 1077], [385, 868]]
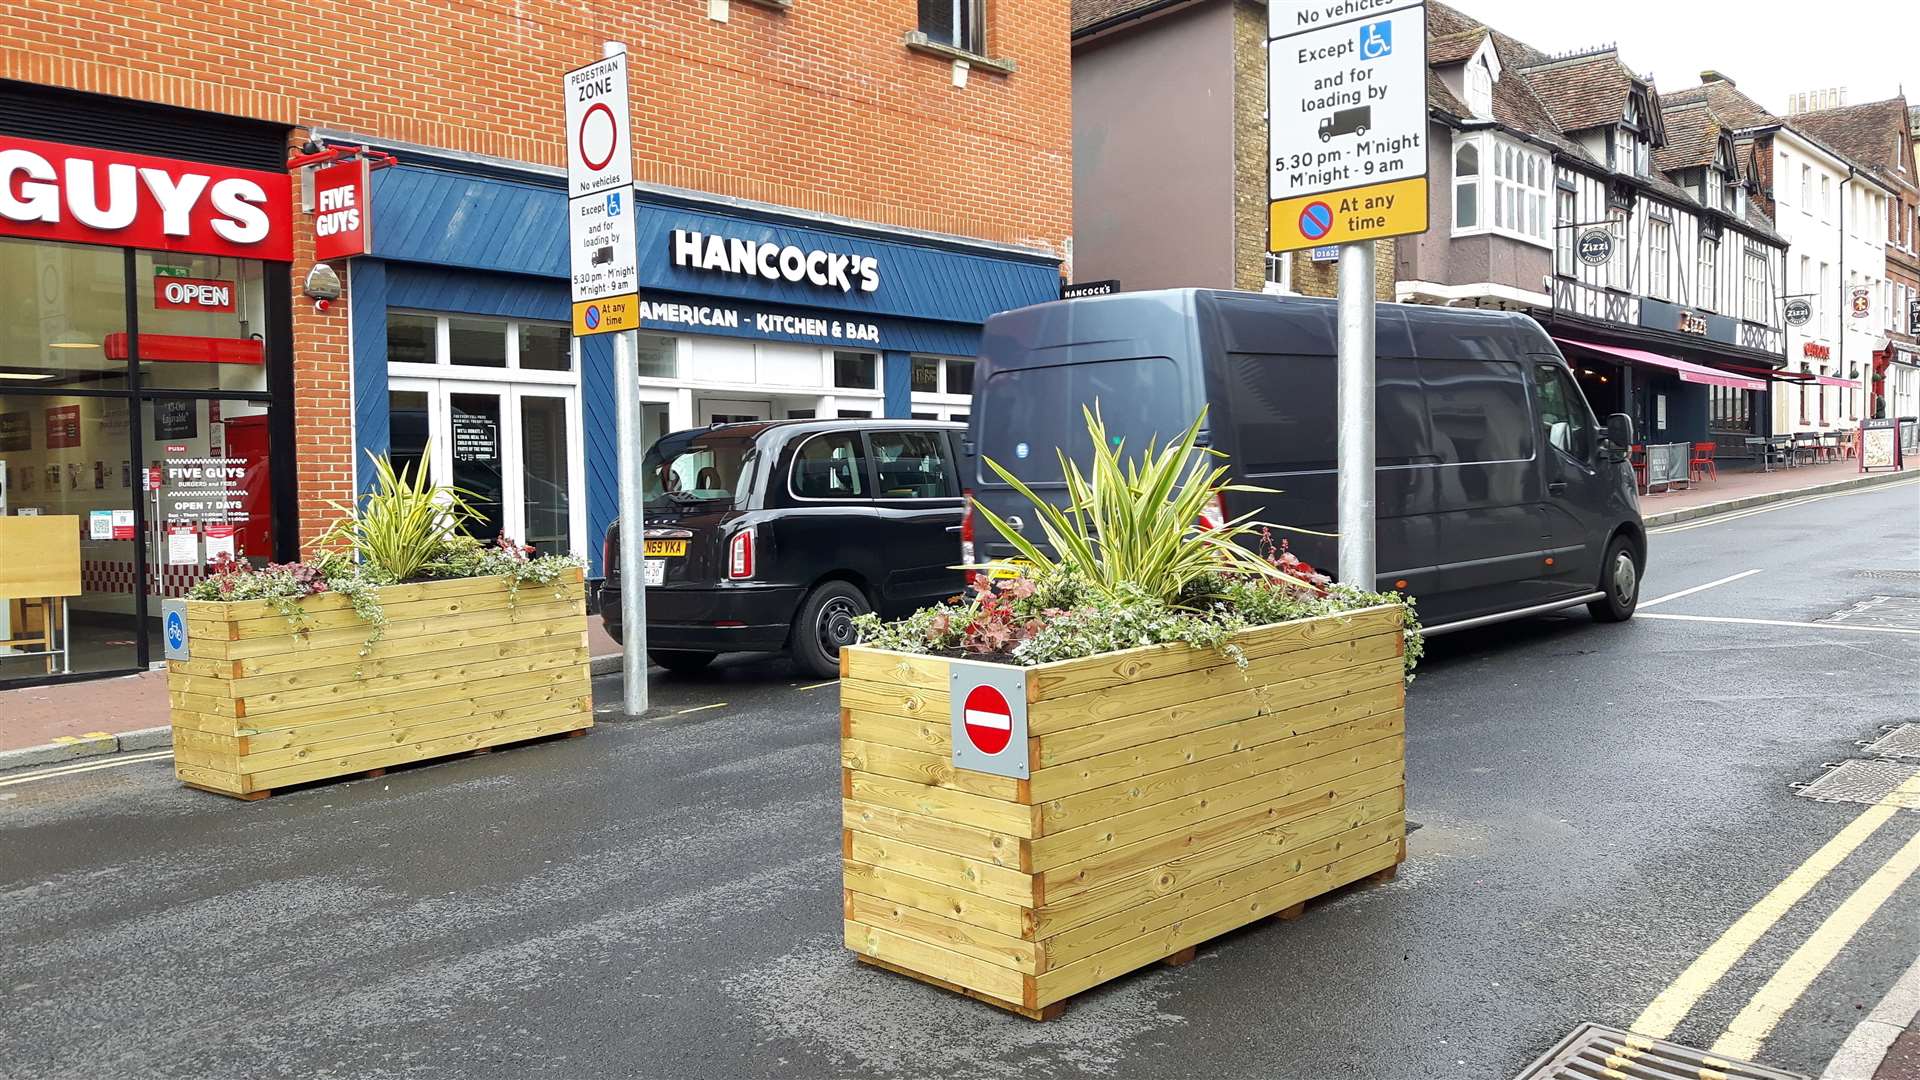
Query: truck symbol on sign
[[602, 255], [1346, 122]]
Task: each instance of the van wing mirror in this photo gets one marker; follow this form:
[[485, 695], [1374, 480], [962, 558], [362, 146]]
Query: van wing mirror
[[1619, 431]]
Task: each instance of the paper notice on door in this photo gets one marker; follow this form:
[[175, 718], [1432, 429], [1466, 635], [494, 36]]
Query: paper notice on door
[[183, 546], [123, 525], [100, 525], [219, 541]]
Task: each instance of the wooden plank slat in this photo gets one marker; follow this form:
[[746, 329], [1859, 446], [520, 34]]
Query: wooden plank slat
[[906, 702], [212, 779], [929, 736], [1000, 950], [1186, 688], [866, 664], [402, 733], [574, 681], [1066, 678], [1001, 849], [1014, 919], [452, 650], [382, 688], [934, 769], [1117, 863], [494, 602], [1117, 766], [1353, 665], [397, 630], [253, 741], [206, 741], [947, 804], [1215, 774], [1143, 916], [1065, 981], [970, 972], [1189, 810], [993, 880], [407, 645], [1048, 1013], [421, 751]]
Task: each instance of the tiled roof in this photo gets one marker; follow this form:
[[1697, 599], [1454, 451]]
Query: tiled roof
[[1515, 104], [1868, 133], [1693, 135], [1585, 91], [1088, 13], [1441, 99], [1455, 48], [1728, 103]]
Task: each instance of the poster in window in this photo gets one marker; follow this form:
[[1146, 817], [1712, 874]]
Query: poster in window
[[476, 439], [63, 426], [16, 432], [173, 419]]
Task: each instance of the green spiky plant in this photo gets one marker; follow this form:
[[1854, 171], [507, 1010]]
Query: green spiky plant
[[1136, 521], [403, 525]]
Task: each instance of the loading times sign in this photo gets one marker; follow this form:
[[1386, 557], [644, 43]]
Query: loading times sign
[[1346, 121]]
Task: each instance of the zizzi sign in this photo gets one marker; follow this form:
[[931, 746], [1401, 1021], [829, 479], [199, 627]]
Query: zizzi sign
[[84, 195], [1595, 246], [1692, 322], [192, 294], [775, 262]]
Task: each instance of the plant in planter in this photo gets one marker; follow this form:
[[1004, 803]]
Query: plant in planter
[[401, 639], [1162, 730]]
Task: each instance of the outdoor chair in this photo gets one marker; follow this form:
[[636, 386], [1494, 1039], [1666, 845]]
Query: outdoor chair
[[1701, 466]]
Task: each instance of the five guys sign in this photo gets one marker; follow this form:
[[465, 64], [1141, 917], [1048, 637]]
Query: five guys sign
[[342, 223], [85, 195]]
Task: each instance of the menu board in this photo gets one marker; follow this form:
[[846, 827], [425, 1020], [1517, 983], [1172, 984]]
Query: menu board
[[1879, 444], [200, 489]]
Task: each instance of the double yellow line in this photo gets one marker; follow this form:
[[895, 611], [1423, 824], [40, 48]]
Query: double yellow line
[[1750, 1029]]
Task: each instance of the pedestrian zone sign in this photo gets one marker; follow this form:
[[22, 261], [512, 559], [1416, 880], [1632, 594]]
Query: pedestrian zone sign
[[601, 235], [1347, 121]]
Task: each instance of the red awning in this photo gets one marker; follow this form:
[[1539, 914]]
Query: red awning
[[1688, 372], [1835, 380]]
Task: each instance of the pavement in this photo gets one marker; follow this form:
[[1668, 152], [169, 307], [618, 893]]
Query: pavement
[[1607, 833]]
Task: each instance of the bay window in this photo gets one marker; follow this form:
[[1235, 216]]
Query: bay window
[[1500, 187]]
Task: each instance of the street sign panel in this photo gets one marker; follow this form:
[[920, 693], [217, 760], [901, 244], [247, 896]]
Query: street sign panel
[[599, 146], [1347, 121], [1799, 312], [1077, 289], [989, 717], [173, 620], [1595, 246], [601, 242]]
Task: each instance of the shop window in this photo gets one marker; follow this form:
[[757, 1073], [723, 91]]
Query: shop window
[[411, 338], [61, 305], [658, 356], [477, 343], [202, 322], [959, 23], [546, 347], [960, 377], [926, 375], [856, 414], [409, 426], [856, 370]]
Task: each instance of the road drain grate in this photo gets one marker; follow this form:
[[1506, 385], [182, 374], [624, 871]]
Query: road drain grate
[[1872, 783], [1903, 741], [1897, 612], [1593, 1052], [1912, 576]]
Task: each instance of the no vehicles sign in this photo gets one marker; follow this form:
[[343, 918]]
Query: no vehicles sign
[[1347, 121]]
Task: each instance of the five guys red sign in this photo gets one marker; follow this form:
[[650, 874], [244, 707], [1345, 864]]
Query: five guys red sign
[[85, 195], [342, 221]]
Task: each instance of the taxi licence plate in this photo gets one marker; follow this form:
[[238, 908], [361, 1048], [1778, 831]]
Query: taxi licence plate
[[661, 548], [1009, 568]]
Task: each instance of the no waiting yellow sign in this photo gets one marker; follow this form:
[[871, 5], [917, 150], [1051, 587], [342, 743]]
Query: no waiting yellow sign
[[1342, 217]]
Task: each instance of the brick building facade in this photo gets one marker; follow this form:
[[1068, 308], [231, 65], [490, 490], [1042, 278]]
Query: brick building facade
[[838, 125]]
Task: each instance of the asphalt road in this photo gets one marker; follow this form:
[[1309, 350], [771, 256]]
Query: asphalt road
[[1596, 805]]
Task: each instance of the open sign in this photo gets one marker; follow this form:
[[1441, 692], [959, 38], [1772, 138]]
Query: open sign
[[193, 294]]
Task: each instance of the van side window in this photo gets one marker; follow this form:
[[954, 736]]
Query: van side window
[[1285, 412], [1479, 411], [830, 466], [911, 465], [1565, 422]]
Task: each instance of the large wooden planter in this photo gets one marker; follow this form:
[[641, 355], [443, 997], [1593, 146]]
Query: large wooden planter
[[1171, 797], [463, 666]]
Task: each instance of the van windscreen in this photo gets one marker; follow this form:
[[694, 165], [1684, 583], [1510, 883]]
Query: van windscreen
[[1030, 411]]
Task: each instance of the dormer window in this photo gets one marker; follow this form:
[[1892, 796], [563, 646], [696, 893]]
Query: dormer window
[[1480, 89]]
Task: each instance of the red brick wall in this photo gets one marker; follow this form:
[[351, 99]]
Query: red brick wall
[[819, 107]]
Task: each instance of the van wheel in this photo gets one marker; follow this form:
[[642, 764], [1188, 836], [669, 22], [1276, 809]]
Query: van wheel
[[1620, 581], [825, 626], [681, 661]]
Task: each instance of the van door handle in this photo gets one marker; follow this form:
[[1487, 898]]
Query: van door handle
[[1557, 487]]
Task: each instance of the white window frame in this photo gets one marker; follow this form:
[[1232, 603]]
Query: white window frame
[[1753, 273], [1480, 89], [1280, 263], [941, 402], [1619, 268], [1566, 206], [1707, 292], [443, 366], [1513, 185], [1660, 258]]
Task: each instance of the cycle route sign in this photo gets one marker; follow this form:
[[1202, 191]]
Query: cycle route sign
[[1346, 121]]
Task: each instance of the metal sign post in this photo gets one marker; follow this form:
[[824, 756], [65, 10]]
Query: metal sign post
[[606, 300], [1347, 142]]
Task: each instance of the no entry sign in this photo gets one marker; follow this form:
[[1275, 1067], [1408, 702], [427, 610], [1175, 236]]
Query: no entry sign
[[989, 705]]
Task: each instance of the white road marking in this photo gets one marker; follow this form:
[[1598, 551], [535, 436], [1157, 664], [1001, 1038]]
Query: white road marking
[[69, 770], [1783, 622], [1645, 604]]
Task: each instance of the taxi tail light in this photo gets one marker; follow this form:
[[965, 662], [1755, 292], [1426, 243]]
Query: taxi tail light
[[1214, 514], [740, 554], [966, 536]]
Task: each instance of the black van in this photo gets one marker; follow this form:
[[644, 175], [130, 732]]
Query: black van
[[1498, 493], [772, 535]]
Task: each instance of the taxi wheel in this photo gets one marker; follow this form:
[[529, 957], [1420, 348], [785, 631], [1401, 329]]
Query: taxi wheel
[[825, 626]]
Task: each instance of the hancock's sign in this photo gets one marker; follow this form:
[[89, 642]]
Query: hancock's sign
[[775, 262], [84, 195]]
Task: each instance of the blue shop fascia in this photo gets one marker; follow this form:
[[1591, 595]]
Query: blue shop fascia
[[463, 361]]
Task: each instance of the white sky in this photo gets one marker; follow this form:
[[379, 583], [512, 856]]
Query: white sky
[[1770, 48]]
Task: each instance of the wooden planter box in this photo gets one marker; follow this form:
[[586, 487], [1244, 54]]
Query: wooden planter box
[[1171, 797], [461, 667]]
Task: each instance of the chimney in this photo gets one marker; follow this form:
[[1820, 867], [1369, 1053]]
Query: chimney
[[1712, 76]]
